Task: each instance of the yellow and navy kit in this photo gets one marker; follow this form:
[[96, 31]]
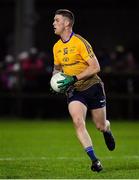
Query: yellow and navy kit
[[73, 56]]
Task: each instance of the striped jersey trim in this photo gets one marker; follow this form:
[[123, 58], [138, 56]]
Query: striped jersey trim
[[87, 45], [71, 64]]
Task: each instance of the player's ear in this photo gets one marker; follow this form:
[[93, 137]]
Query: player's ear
[[67, 22]]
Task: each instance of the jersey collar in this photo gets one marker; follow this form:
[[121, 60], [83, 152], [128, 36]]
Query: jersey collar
[[69, 38]]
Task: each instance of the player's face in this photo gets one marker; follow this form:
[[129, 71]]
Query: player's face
[[59, 24]]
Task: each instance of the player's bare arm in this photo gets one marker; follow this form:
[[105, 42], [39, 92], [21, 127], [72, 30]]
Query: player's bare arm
[[56, 69], [93, 68]]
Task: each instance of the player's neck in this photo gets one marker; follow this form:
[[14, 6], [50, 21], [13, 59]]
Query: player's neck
[[65, 37]]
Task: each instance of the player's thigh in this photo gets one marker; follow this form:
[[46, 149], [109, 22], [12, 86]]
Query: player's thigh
[[99, 115], [77, 110]]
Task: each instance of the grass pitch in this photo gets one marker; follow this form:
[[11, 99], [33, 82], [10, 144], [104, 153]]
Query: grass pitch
[[49, 149]]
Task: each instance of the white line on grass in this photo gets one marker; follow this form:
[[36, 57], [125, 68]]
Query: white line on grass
[[60, 158]]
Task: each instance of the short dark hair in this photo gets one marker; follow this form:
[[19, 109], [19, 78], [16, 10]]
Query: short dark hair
[[66, 13]]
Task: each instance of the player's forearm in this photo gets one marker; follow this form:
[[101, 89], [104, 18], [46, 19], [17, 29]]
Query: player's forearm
[[92, 69], [56, 69], [88, 73]]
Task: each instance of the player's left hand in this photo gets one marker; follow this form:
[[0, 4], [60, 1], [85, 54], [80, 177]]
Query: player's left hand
[[68, 81]]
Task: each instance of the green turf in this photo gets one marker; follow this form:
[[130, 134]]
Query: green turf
[[49, 149]]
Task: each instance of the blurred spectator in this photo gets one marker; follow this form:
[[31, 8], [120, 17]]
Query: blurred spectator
[[36, 69], [104, 60], [130, 64], [23, 58], [28, 75], [118, 62], [32, 69], [9, 77], [124, 60]]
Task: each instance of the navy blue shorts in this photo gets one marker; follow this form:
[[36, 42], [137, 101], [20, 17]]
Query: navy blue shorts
[[93, 98]]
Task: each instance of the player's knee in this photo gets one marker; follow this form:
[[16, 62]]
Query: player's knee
[[79, 123]]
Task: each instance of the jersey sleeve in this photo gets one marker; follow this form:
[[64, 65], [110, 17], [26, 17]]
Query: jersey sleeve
[[56, 60], [86, 50]]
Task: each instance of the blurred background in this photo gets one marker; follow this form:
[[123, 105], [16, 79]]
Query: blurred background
[[26, 59]]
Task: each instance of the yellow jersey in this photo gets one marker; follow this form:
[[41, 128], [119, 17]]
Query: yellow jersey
[[72, 56]]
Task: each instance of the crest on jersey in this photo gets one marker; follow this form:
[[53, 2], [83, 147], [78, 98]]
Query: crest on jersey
[[65, 51], [65, 59]]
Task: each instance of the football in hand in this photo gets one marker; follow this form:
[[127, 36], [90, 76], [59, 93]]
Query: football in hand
[[53, 82]]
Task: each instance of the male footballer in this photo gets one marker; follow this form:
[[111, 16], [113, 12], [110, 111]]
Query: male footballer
[[74, 56]]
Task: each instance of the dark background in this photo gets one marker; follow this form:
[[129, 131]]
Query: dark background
[[106, 24]]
